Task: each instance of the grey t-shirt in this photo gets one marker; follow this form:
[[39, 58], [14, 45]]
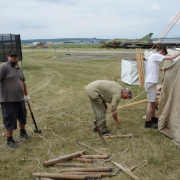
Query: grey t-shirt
[[109, 91], [11, 83]]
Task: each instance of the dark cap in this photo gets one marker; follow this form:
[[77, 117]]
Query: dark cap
[[12, 51]]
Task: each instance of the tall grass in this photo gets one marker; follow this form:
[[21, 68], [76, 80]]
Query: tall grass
[[64, 114]]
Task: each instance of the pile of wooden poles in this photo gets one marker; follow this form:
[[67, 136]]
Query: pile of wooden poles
[[82, 169]]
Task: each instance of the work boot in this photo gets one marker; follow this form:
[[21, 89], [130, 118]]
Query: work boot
[[149, 124], [154, 120], [107, 133], [23, 134], [11, 143]]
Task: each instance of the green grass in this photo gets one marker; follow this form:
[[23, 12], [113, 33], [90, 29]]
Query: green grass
[[64, 114]]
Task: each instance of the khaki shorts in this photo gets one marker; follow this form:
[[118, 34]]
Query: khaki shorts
[[151, 91]]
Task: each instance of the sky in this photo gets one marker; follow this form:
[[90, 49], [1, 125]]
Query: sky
[[101, 19]]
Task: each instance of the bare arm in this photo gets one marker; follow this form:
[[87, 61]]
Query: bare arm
[[25, 89], [114, 114], [171, 57]]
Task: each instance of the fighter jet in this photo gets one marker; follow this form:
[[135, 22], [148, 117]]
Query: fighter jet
[[167, 42], [144, 42]]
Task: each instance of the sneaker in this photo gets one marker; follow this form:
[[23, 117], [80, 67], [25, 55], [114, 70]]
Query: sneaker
[[150, 125], [154, 120], [95, 130], [12, 144], [23, 134], [107, 133]]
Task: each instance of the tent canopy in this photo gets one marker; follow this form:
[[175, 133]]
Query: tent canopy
[[169, 108]]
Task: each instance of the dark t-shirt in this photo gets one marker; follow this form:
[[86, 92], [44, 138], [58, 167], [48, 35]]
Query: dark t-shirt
[[11, 83]]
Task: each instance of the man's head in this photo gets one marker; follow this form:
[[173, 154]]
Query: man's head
[[13, 56], [126, 93], [162, 50]]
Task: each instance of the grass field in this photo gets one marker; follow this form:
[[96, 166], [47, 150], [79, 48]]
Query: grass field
[[64, 114]]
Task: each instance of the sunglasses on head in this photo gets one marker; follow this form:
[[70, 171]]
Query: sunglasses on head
[[13, 55]]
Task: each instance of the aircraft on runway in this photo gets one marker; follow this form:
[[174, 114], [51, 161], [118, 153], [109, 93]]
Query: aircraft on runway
[[144, 42], [168, 42]]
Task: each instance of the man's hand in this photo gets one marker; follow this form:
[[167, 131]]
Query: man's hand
[[26, 98], [117, 122], [163, 69], [114, 114]]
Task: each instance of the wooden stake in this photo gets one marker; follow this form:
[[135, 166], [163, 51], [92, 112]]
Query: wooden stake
[[140, 67], [132, 104], [127, 171], [121, 136], [66, 176], [98, 169], [89, 147], [71, 164], [63, 158], [103, 174], [105, 156], [84, 160]]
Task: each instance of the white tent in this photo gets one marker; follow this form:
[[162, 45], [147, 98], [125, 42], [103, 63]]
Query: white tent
[[129, 72]]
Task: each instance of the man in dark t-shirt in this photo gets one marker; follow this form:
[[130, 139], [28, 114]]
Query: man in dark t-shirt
[[13, 93]]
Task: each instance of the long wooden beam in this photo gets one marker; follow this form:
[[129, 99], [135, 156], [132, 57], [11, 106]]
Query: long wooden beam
[[98, 169], [66, 176], [133, 103], [121, 136], [63, 158], [89, 147]]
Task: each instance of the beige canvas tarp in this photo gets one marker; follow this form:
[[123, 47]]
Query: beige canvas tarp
[[169, 104]]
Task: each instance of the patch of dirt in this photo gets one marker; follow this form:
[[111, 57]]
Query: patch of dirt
[[84, 57]]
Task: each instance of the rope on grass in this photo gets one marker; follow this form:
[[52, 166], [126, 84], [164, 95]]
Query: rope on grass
[[134, 144], [42, 138], [47, 142], [67, 123], [141, 164], [107, 160], [54, 133], [32, 160]]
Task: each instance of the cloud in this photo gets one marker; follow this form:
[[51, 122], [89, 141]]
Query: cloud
[[89, 18]]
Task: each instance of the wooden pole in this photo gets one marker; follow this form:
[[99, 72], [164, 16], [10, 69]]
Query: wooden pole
[[132, 104], [127, 171], [89, 147], [135, 103], [105, 156], [121, 136], [140, 67], [71, 164], [66, 176], [103, 174], [98, 169], [63, 158], [44, 179], [84, 160]]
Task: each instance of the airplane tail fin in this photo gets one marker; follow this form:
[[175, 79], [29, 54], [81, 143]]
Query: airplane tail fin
[[148, 36]]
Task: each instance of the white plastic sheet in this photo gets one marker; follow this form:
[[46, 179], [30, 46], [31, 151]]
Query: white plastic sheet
[[129, 72]]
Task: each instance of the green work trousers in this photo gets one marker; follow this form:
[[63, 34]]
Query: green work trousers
[[99, 113]]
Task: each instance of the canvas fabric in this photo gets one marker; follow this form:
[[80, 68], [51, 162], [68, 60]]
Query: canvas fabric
[[168, 107]]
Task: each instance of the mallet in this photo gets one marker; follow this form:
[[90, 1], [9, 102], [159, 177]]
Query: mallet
[[36, 128]]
